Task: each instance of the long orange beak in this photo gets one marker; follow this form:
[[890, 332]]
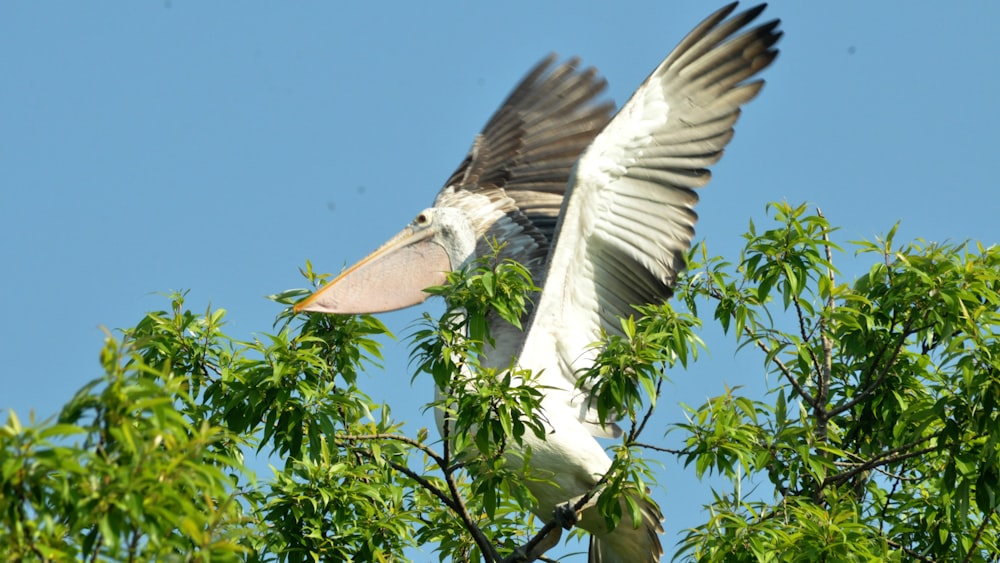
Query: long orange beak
[[393, 277]]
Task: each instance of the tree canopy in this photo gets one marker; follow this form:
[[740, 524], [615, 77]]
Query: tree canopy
[[878, 439]]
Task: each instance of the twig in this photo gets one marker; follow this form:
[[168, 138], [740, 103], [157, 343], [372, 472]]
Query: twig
[[826, 373], [584, 499], [879, 469], [883, 459], [867, 391], [395, 438], [658, 448], [804, 333], [634, 433], [549, 534], [809, 399], [453, 502], [979, 535], [909, 551], [489, 552]]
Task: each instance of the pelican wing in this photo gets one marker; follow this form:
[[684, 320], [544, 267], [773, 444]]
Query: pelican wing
[[512, 181], [629, 216]]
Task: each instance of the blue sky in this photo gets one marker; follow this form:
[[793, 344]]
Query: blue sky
[[151, 146]]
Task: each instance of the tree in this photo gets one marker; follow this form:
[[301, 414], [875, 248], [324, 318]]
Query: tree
[[881, 442], [878, 440]]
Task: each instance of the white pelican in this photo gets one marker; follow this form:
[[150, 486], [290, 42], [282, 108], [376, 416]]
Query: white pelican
[[601, 213]]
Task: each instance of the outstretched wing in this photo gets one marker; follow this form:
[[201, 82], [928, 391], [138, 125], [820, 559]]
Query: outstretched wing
[[629, 218], [513, 179]]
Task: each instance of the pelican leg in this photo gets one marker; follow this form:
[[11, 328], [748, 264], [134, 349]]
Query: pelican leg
[[565, 516]]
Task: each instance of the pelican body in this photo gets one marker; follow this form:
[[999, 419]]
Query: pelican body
[[600, 209]]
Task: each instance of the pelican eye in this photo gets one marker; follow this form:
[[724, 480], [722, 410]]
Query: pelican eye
[[422, 219]]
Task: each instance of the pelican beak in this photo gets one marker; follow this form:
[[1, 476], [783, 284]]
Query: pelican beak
[[392, 277]]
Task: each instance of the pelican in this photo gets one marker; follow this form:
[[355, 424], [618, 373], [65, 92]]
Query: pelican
[[601, 211]]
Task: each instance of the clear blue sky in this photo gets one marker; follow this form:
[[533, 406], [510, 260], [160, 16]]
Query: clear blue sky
[[215, 146]]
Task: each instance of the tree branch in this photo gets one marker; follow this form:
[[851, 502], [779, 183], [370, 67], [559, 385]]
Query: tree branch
[[658, 448], [883, 459], [485, 546], [979, 535], [885, 506], [826, 373], [636, 430], [909, 552], [553, 524], [395, 438], [809, 399], [453, 502], [867, 391], [805, 334]]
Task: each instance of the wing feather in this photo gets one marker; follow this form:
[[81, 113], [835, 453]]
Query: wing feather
[[629, 217], [523, 156]]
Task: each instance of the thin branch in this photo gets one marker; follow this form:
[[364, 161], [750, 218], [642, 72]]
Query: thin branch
[[826, 373], [867, 391], [454, 502], [446, 439], [883, 459], [885, 506], [809, 399], [979, 535], [584, 499], [97, 551], [804, 333], [898, 478], [635, 431], [658, 448], [207, 366], [552, 525], [395, 438], [485, 545], [527, 550], [917, 555], [420, 479], [133, 546]]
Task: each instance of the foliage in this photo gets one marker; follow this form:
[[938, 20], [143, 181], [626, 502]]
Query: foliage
[[881, 438], [878, 439], [142, 479], [147, 461]]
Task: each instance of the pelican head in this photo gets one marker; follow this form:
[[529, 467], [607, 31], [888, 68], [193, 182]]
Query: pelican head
[[437, 241]]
